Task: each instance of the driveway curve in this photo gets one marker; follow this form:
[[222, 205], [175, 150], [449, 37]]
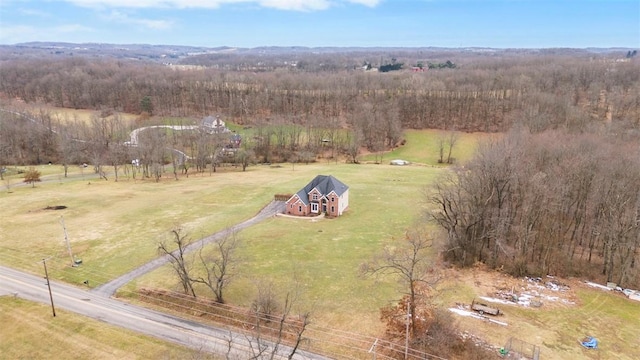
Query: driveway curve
[[110, 288]]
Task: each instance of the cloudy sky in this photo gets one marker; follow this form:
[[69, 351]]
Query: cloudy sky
[[313, 23]]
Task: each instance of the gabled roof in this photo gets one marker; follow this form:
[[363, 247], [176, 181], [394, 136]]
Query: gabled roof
[[325, 184], [213, 122]]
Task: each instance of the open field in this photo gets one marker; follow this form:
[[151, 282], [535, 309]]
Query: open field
[[68, 115], [422, 147], [115, 226], [29, 331]]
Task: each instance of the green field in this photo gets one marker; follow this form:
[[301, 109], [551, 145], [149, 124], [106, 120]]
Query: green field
[[116, 226]]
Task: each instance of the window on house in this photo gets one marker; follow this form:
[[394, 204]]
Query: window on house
[[315, 196], [333, 199], [300, 208], [333, 209]]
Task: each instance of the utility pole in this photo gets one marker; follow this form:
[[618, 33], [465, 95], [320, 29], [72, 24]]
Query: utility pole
[[66, 239], [46, 275], [406, 340]]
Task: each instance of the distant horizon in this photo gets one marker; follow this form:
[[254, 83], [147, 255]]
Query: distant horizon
[[454, 24], [317, 47]]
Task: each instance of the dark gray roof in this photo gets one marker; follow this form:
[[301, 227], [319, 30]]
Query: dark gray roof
[[209, 121], [325, 184]]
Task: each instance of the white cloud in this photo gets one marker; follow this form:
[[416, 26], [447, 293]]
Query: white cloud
[[298, 5], [369, 3], [295, 4], [148, 23]]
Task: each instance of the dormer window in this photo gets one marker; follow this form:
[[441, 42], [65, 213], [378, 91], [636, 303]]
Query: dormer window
[[315, 196]]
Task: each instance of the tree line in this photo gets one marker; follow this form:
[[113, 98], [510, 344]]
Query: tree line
[[554, 202], [480, 94]]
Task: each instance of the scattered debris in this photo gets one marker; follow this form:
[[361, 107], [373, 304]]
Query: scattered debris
[[531, 293], [589, 342], [629, 293], [601, 287], [477, 341], [632, 294], [460, 310]]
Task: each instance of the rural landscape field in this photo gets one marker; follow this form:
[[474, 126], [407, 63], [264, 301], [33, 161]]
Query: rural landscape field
[[352, 179]]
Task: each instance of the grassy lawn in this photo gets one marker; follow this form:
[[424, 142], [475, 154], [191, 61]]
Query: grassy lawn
[[29, 331], [422, 147], [323, 257]]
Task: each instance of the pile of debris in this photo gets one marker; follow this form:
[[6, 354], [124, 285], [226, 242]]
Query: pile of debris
[[629, 293], [532, 293], [477, 341]]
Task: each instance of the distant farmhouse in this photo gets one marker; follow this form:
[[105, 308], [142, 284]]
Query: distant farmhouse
[[214, 125], [323, 195]]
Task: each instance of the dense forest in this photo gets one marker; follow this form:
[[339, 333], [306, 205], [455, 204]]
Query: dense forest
[[559, 193]]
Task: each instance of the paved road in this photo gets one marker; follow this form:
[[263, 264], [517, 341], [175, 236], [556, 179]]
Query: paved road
[[108, 289], [166, 327]]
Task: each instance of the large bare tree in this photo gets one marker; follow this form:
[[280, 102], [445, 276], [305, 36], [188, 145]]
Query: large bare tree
[[411, 262], [219, 263], [176, 250]]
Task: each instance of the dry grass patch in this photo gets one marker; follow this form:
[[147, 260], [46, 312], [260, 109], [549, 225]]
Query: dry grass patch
[[29, 331], [72, 115]]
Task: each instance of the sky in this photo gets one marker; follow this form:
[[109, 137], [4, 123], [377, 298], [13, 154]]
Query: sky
[[319, 23]]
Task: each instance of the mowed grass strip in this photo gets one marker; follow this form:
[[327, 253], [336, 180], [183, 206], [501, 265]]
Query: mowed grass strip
[[29, 331]]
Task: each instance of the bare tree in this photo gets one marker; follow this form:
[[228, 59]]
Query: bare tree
[[274, 326], [441, 142], [219, 265], [180, 264], [452, 139], [245, 157], [354, 142], [69, 145], [410, 262]]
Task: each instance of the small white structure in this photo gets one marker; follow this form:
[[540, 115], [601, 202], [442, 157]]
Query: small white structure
[[400, 162]]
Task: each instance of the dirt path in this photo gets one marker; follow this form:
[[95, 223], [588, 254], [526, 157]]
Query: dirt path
[[108, 289]]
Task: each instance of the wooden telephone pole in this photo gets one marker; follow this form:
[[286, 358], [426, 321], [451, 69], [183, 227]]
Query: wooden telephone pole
[[46, 275]]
